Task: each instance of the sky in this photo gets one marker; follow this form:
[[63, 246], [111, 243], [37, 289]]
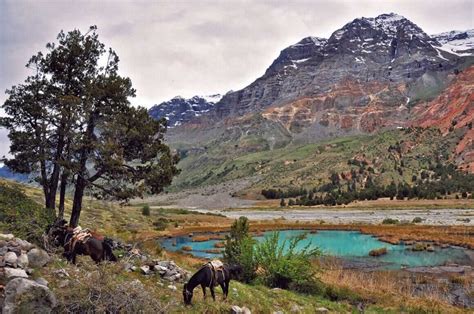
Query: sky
[[188, 48]]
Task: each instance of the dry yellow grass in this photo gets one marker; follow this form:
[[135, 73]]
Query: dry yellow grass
[[390, 288]]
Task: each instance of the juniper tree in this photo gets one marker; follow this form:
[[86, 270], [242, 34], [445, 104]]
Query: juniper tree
[[71, 123]]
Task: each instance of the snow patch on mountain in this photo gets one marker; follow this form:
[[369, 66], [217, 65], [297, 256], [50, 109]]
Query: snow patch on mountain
[[460, 43]]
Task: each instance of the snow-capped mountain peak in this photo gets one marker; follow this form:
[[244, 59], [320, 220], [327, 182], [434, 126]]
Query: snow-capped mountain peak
[[180, 110]]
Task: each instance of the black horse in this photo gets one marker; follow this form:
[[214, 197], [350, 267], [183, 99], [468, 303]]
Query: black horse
[[207, 276], [96, 246]]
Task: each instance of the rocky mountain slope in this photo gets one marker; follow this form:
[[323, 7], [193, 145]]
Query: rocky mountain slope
[[180, 110], [457, 42], [453, 111], [363, 78], [371, 75]]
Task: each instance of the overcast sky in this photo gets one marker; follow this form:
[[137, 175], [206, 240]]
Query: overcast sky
[[185, 48]]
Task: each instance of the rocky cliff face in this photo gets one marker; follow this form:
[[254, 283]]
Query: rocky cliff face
[[386, 49], [453, 111]]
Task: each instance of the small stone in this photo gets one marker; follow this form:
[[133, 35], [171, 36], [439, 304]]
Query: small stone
[[61, 273], [234, 289], [42, 281], [278, 312], [235, 309], [10, 258], [172, 287], [38, 257], [322, 310], [6, 236], [30, 271], [15, 272], [15, 249], [127, 267], [295, 308], [3, 243], [63, 283], [22, 260], [25, 245], [145, 269], [246, 310], [134, 268]]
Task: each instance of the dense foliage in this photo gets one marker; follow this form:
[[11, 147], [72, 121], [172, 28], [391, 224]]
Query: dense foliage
[[239, 249], [282, 264], [272, 262], [21, 215]]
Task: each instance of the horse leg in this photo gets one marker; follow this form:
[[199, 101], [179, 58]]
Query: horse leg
[[227, 282], [212, 293], [223, 286], [73, 258], [204, 290]]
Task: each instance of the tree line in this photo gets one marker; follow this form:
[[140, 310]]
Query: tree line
[[439, 182]]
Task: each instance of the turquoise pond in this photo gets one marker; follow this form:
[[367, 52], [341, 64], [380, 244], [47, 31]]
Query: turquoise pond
[[352, 247]]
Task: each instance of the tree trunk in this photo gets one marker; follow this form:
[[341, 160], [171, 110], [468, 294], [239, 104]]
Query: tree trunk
[[77, 202], [62, 194]]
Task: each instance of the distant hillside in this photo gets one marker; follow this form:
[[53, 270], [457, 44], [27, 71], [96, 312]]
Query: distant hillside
[[6, 173]]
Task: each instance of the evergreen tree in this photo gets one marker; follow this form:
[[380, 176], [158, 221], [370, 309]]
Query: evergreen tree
[[71, 122]]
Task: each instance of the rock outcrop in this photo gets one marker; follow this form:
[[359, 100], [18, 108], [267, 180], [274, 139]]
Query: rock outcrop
[[27, 296], [20, 294]]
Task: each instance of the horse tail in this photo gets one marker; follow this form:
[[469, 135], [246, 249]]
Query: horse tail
[[108, 254]]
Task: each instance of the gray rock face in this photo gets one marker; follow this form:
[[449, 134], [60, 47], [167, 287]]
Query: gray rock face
[[387, 48], [38, 257], [26, 296]]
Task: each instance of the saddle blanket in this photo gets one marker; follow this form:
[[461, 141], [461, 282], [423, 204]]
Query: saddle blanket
[[216, 264]]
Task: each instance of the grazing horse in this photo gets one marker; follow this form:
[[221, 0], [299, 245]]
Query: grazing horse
[[210, 276], [96, 246]]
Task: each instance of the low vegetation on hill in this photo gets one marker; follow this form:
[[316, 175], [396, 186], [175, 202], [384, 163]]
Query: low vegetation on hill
[[407, 158]]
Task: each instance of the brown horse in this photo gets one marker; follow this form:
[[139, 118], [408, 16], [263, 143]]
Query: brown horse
[[96, 246]]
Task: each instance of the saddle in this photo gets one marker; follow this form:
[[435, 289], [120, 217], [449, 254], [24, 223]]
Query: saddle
[[79, 235], [215, 266]]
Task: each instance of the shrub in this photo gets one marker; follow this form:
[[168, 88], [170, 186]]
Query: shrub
[[102, 290], [161, 224], [282, 265], [417, 220], [146, 210], [21, 215], [238, 249], [390, 221]]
